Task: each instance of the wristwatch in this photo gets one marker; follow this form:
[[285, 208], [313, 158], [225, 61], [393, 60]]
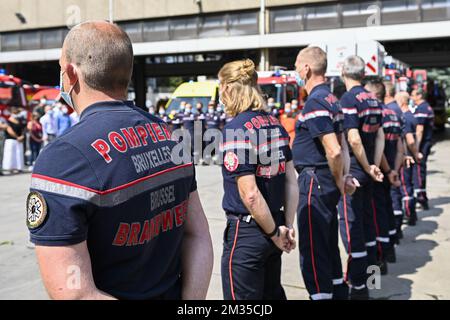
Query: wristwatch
[[276, 232]]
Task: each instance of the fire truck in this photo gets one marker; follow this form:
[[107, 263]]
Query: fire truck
[[280, 85], [12, 93], [20, 93]]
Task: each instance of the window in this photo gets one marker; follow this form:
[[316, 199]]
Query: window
[[183, 28], [134, 31], [244, 23], [30, 40], [399, 11], [52, 39], [322, 17], [156, 30], [286, 20], [11, 42], [435, 10], [213, 26], [357, 14]]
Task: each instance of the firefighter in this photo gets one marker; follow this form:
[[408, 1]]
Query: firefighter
[[362, 125], [407, 170], [89, 208], [259, 180], [424, 135], [319, 160], [390, 165]]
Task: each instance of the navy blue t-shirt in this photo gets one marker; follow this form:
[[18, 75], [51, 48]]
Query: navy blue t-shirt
[[188, 120], [425, 116], [410, 125], [213, 120], [392, 132], [321, 115], [255, 143], [398, 111], [362, 111], [111, 181]]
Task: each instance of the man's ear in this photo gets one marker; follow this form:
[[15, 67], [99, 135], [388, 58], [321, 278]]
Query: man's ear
[[72, 74]]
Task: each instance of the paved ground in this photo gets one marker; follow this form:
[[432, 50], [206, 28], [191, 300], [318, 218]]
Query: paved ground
[[420, 273]]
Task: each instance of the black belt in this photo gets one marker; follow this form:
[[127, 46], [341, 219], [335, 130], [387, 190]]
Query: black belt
[[242, 217], [245, 217], [300, 169]]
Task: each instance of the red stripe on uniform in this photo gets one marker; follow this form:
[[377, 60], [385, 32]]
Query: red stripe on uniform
[[230, 269], [311, 236]]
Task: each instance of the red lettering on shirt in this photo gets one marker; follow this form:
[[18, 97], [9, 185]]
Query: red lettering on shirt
[[102, 147], [117, 141]]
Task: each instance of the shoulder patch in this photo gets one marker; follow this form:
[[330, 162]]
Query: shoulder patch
[[231, 161], [36, 210]]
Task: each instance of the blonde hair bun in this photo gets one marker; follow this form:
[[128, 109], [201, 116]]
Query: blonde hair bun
[[247, 70]]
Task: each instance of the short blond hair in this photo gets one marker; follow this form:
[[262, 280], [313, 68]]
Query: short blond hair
[[402, 98], [244, 93], [316, 58]]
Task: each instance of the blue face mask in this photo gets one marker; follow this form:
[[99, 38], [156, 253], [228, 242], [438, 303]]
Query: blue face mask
[[299, 80], [65, 95]]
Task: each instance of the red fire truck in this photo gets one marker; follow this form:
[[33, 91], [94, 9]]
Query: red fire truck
[[12, 93], [281, 86]]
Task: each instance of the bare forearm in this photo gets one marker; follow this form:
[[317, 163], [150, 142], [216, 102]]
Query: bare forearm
[[360, 154], [260, 211], [336, 165], [400, 155], [384, 164], [291, 202], [345, 155], [412, 145], [419, 135], [197, 264], [379, 147]]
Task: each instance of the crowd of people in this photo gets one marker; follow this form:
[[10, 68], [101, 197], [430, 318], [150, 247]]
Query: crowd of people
[[120, 206], [24, 134]]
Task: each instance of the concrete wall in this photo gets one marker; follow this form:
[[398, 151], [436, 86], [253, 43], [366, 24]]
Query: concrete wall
[[57, 13]]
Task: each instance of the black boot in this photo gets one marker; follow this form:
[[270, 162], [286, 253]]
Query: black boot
[[390, 255], [341, 291], [382, 264], [359, 294]]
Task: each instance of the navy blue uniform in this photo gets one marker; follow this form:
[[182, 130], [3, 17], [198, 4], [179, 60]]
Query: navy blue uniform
[[317, 214], [407, 177], [425, 116], [254, 144], [213, 123], [110, 181], [176, 122], [362, 111], [398, 111], [381, 200], [188, 121], [213, 120]]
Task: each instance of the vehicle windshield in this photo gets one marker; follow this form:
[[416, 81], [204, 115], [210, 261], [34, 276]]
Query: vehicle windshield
[[175, 103], [274, 91]]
